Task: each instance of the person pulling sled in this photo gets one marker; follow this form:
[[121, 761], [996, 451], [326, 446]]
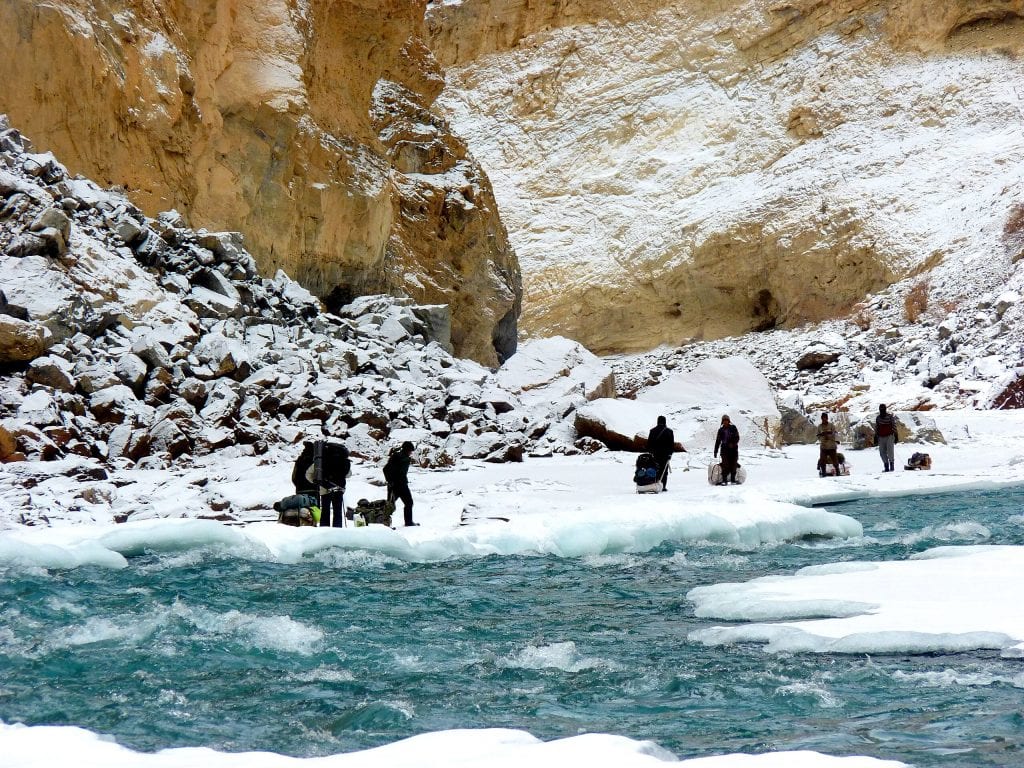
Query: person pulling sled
[[661, 444]]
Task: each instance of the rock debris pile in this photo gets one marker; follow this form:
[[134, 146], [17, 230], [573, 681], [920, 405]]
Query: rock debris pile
[[137, 342]]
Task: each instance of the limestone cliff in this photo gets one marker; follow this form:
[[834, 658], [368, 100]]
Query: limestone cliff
[[691, 169], [266, 117]]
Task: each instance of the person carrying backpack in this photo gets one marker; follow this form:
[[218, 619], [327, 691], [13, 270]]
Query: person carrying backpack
[[335, 469], [320, 471], [886, 438], [396, 473]]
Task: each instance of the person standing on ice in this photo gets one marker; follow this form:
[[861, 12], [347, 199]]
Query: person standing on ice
[[886, 438], [661, 443], [728, 441], [396, 473], [828, 444]]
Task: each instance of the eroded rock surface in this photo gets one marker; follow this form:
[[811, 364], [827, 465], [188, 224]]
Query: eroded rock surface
[[696, 170], [263, 117]]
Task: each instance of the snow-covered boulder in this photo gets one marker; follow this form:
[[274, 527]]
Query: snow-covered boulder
[[21, 340], [693, 403], [555, 370]]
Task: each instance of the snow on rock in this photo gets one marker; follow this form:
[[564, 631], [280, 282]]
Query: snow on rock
[[554, 369], [144, 343], [693, 403]]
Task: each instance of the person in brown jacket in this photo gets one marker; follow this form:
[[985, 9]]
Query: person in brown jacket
[[829, 446]]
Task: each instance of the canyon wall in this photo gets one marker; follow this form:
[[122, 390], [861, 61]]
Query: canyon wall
[[307, 126], [685, 169]]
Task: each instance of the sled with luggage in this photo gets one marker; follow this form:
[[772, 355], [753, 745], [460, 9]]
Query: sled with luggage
[[919, 461], [715, 474], [371, 512], [825, 468], [645, 475], [298, 510]]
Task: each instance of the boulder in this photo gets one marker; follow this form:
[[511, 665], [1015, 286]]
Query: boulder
[[619, 424], [193, 390], [117, 404], [8, 443], [131, 232], [435, 323], [6, 308], [223, 355], [796, 428], [207, 303], [166, 436], [222, 403], [28, 244], [695, 401], [158, 386], [21, 341], [33, 443], [217, 282], [52, 371], [52, 218], [555, 372], [129, 443], [813, 359], [152, 351], [132, 370], [39, 409], [92, 377]]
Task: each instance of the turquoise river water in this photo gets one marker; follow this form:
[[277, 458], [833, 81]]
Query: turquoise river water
[[349, 650]]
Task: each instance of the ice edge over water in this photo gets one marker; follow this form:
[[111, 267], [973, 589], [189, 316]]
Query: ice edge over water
[[584, 533], [943, 600]]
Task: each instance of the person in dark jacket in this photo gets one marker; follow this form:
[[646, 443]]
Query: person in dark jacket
[[661, 443], [886, 438], [321, 470], [335, 469], [728, 442], [396, 473]]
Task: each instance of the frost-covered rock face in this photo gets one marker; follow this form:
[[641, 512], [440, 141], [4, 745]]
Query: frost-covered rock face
[[681, 170], [145, 344], [267, 118]]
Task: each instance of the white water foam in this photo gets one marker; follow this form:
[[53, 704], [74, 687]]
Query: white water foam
[[963, 531], [280, 633], [564, 656], [956, 678]]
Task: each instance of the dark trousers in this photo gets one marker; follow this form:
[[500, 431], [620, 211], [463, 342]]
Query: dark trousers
[[402, 492], [332, 500], [828, 456], [730, 463]]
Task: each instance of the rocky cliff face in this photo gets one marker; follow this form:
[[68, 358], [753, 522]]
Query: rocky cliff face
[[684, 170], [306, 125]]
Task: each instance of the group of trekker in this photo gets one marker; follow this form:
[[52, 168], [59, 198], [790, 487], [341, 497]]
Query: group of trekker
[[886, 438], [323, 466], [661, 445]]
